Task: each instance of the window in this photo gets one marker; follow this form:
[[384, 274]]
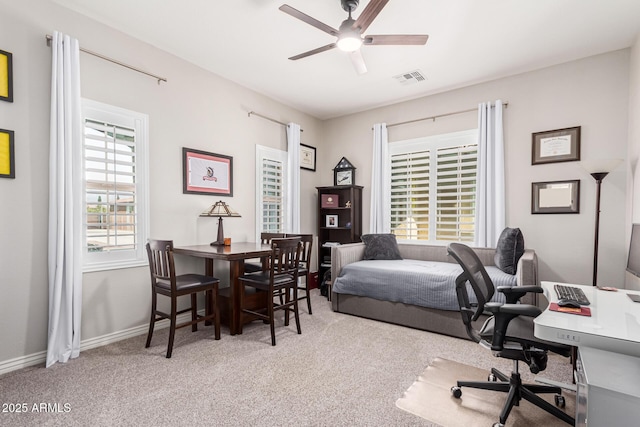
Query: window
[[433, 188], [271, 165], [115, 202]]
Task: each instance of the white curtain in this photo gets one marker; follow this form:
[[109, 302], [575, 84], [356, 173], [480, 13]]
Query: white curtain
[[65, 219], [379, 221], [490, 196], [293, 186]]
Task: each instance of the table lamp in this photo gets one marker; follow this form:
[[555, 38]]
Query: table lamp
[[598, 170], [220, 209]]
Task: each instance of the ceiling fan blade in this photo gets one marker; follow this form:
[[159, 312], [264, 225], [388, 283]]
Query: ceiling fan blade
[[396, 39], [369, 14], [358, 61], [313, 52], [308, 19]]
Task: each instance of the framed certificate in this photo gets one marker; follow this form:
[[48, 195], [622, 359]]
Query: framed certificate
[[555, 197], [560, 145]]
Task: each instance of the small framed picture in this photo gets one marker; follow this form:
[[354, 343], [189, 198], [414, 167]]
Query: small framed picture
[[555, 197], [307, 157], [7, 155], [331, 221], [206, 173], [553, 146], [6, 76]]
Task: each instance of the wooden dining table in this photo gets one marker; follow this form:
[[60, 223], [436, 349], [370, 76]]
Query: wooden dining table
[[236, 254]]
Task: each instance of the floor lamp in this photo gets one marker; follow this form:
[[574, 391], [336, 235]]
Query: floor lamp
[[598, 170]]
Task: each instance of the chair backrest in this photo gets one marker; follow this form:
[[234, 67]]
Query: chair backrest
[[473, 273], [285, 257], [307, 245], [161, 264], [266, 238]]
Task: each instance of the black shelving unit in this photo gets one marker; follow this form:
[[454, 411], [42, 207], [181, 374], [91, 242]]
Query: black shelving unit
[[348, 228]]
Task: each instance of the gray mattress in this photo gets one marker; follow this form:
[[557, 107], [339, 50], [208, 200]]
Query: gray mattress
[[422, 283]]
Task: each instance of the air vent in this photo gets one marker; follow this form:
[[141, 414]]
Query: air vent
[[410, 78]]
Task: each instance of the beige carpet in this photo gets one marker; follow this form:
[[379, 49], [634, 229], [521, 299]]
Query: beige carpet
[[430, 398]]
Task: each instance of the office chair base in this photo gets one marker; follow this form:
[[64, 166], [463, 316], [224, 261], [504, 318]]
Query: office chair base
[[516, 391]]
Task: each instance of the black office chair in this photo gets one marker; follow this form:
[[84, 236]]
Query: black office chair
[[509, 334]]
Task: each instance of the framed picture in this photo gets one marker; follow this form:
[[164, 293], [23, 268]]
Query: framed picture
[[331, 221], [560, 145], [307, 157], [329, 200], [555, 197], [6, 76], [206, 173], [7, 156]]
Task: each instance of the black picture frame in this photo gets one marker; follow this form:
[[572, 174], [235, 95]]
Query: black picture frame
[[6, 76], [307, 157], [555, 146], [206, 173], [555, 197], [7, 154], [344, 173]]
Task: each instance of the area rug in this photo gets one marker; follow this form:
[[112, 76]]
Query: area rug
[[430, 398]]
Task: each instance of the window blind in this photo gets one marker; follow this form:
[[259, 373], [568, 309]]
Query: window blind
[[410, 195], [272, 196]]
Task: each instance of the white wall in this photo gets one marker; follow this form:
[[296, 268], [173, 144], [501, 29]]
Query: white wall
[[194, 109], [592, 93]]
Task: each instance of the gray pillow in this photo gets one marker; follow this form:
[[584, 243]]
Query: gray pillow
[[380, 246], [509, 250]]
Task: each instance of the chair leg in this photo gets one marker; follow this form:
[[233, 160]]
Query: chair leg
[[214, 307], [307, 290], [271, 318], [172, 327], [194, 312], [152, 321], [287, 308], [296, 313], [240, 312]]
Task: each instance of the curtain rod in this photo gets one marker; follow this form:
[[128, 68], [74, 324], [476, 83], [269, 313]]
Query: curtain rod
[[268, 118], [49, 38], [506, 104]]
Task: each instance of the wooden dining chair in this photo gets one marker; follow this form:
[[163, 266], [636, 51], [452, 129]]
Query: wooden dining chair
[[280, 280], [265, 238], [305, 267], [164, 281]]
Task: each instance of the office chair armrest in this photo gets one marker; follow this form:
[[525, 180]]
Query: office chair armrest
[[514, 293], [502, 315]]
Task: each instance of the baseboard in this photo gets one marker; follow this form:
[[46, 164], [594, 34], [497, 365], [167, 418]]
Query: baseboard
[[41, 356]]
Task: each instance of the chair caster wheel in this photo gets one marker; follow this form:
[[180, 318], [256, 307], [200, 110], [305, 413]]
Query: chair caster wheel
[[560, 402], [456, 391], [498, 425], [492, 378]]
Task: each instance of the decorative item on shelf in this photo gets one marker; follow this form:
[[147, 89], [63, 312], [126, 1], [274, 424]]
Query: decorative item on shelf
[[329, 201], [347, 225], [220, 209], [348, 204], [553, 146], [598, 169], [344, 173], [331, 221]]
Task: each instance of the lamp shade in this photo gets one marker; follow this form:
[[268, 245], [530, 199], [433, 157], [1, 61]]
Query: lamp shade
[[600, 165], [220, 209]]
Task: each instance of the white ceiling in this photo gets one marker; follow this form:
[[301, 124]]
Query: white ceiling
[[470, 41]]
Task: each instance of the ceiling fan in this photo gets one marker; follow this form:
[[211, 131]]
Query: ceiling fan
[[349, 35]]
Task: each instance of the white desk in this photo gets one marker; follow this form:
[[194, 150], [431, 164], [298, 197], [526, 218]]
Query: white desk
[[614, 324], [608, 369]]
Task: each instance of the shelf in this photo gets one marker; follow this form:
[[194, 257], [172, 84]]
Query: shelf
[[336, 208], [335, 228]]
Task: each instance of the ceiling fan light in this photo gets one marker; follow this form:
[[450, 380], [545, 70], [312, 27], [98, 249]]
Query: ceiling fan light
[[349, 42]]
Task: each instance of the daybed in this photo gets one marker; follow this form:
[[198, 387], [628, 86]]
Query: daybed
[[444, 320]]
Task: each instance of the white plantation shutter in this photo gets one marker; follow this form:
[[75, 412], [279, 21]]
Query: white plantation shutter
[[272, 196], [115, 181], [433, 188], [455, 194], [271, 188], [410, 195]]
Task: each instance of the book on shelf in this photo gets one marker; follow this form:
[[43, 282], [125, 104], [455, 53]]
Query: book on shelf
[[330, 244]]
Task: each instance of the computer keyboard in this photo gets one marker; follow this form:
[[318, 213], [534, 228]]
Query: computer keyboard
[[571, 293]]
